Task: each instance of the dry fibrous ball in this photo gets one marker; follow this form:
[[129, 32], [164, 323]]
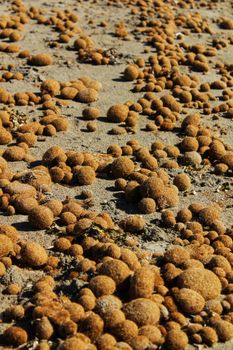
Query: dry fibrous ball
[[153, 187], [170, 102], [118, 113], [69, 92], [142, 311], [102, 285], [142, 283], [105, 341], [51, 87], [177, 255], [133, 223], [122, 167], [91, 113], [209, 214], [91, 126], [55, 205], [182, 182], [41, 217], [184, 215], [224, 330], [92, 325], [209, 335], [13, 289], [176, 339], [6, 245], [203, 281], [192, 158], [189, 144], [125, 330], [131, 72], [41, 59], [15, 336], [33, 254], [130, 258], [189, 301], [220, 261], [85, 175], [73, 343], [87, 95], [115, 269], [14, 153], [54, 154], [14, 312], [44, 328], [147, 205]]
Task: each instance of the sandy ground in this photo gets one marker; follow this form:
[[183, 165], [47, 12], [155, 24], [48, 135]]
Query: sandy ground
[[206, 186]]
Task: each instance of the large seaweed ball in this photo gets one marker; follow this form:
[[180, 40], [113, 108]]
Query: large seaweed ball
[[152, 188], [142, 283], [189, 144], [24, 204], [147, 205], [55, 205], [73, 343], [122, 167], [182, 182], [176, 340], [87, 95], [105, 341], [191, 119], [131, 72], [85, 175], [203, 281], [130, 258], [224, 330], [189, 301], [51, 87], [176, 255], [228, 159], [5, 136], [41, 59], [184, 215], [41, 217], [133, 223], [118, 113], [170, 102], [208, 215], [91, 113], [34, 254], [6, 245], [125, 330], [115, 269], [92, 325], [14, 153], [142, 311], [54, 154], [102, 285], [169, 198], [15, 336]]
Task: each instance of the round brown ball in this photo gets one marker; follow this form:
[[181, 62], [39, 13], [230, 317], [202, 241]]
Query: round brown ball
[[41, 217]]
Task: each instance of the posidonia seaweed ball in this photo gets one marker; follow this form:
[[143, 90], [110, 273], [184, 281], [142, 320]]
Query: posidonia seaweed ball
[[122, 167], [34, 254], [182, 182], [41, 217], [142, 311], [15, 336], [41, 59], [189, 301], [118, 113], [102, 285], [133, 223]]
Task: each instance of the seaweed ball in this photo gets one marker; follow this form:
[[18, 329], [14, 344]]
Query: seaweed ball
[[177, 255], [73, 343], [115, 269], [85, 175], [209, 335], [152, 188], [228, 159], [41, 217], [189, 144], [102, 285], [118, 113], [184, 215], [192, 158], [122, 167], [131, 72], [142, 283], [190, 301], [51, 87], [147, 205], [208, 215], [33, 254], [191, 119], [203, 281], [14, 153], [132, 223], [6, 245], [54, 153], [224, 330], [105, 341], [92, 325], [91, 113], [55, 205], [125, 330], [87, 95], [15, 336], [182, 182], [142, 311], [176, 340], [42, 59]]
